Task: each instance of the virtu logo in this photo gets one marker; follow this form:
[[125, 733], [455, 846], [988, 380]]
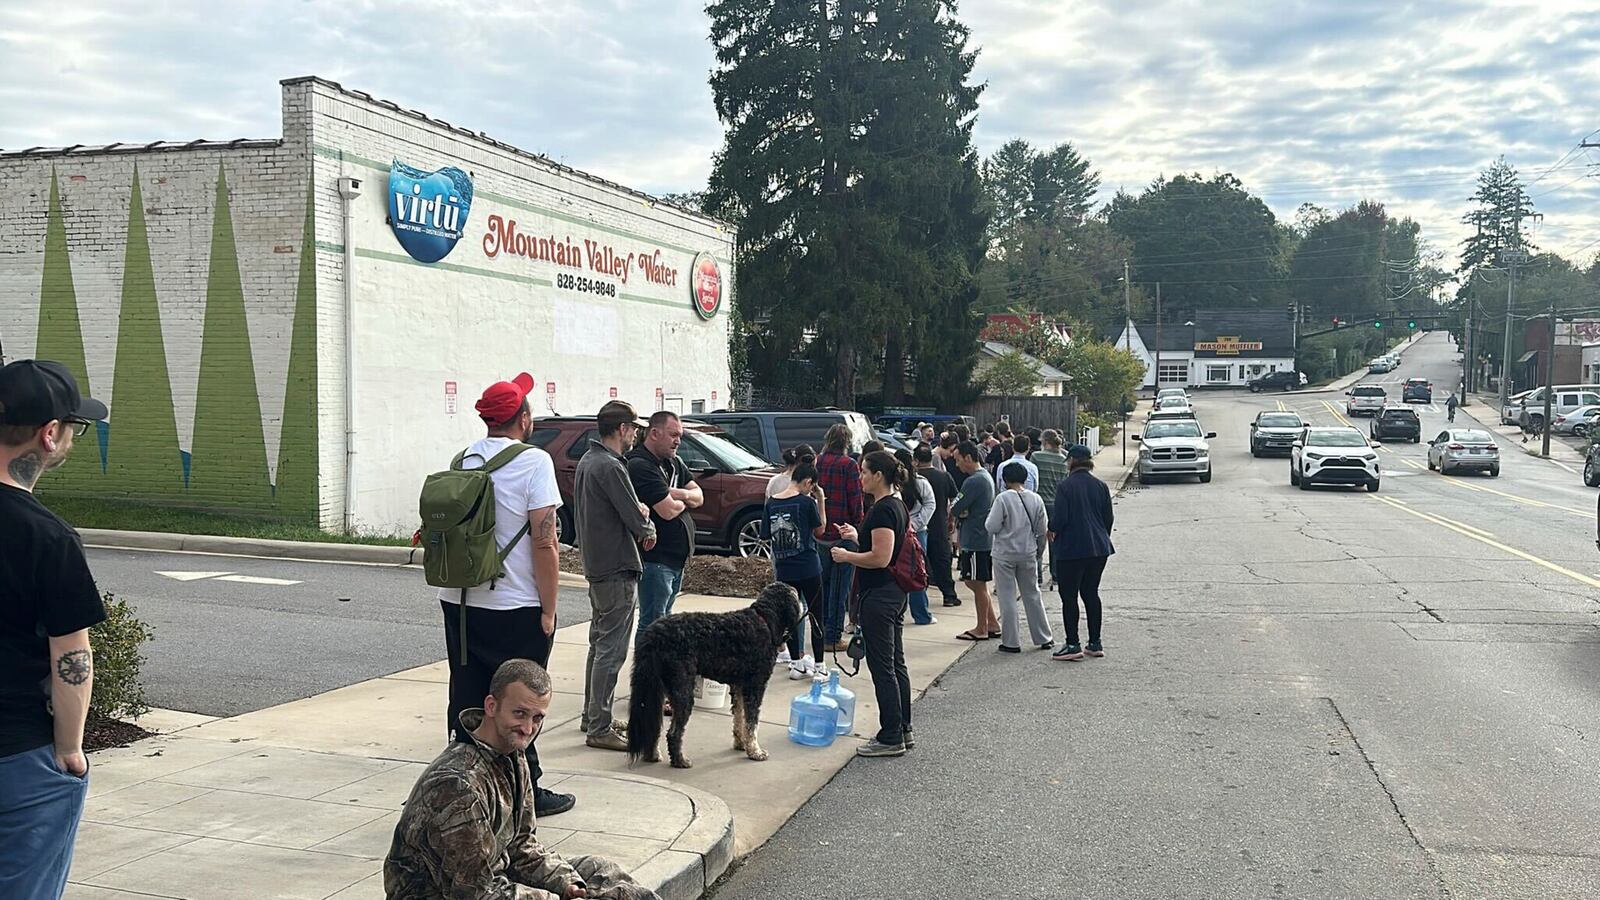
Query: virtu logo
[[428, 210]]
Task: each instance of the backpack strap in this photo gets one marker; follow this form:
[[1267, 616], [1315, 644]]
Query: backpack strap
[[505, 456]]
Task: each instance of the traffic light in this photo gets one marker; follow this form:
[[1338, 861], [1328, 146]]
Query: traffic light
[[1377, 323], [1411, 324], [1336, 322]]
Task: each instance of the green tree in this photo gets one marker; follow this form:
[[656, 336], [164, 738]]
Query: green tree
[[1013, 374], [1210, 242], [848, 155], [1102, 375], [1501, 206]]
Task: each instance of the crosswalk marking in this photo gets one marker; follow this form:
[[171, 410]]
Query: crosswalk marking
[[192, 576], [257, 579]]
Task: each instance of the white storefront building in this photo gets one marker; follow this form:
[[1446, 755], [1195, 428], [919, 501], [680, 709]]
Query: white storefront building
[[1217, 348], [299, 327]]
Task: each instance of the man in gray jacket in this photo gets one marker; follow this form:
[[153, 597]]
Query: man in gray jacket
[[1017, 521], [612, 525]]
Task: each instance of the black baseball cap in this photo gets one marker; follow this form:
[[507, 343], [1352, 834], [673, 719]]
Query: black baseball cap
[[35, 392]]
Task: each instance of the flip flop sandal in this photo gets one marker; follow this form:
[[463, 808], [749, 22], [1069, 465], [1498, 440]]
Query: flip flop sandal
[[969, 636]]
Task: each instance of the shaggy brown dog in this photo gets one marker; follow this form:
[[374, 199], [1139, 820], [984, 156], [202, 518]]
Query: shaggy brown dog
[[737, 648]]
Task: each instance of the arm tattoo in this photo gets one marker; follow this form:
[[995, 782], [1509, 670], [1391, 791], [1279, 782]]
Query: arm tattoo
[[25, 469], [545, 533], [75, 666]]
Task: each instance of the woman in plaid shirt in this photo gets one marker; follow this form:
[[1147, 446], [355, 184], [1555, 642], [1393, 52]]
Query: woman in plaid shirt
[[840, 480]]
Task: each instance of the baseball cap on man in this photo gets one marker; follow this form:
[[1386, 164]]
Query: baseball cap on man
[[615, 413], [35, 392], [1079, 451], [503, 399]]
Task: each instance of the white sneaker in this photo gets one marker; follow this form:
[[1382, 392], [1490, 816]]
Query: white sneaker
[[811, 664], [797, 671], [783, 657]]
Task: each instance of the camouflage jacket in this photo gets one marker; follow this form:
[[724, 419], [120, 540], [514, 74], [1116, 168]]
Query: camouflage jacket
[[467, 832]]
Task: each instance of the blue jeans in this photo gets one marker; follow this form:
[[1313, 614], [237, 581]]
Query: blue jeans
[[40, 806], [837, 579], [658, 587], [919, 599]]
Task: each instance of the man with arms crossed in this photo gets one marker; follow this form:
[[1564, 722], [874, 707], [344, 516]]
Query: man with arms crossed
[[514, 615], [665, 485], [48, 602]]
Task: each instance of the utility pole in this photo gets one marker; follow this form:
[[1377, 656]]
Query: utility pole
[[1127, 308], [1158, 339], [1549, 381], [1466, 360], [1512, 257]]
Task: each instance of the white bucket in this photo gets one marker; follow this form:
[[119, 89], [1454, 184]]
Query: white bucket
[[710, 694]]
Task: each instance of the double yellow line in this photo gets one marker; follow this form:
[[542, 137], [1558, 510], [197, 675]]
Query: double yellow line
[[1337, 415], [1484, 537]]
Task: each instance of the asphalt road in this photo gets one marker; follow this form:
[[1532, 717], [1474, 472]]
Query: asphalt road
[[1327, 693], [226, 647]]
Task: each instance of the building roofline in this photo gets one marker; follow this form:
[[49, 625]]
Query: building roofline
[[540, 159], [152, 147]]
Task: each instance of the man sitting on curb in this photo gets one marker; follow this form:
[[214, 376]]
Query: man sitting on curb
[[467, 828]]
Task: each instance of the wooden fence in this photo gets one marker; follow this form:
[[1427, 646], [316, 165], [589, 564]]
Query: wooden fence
[[1060, 413]]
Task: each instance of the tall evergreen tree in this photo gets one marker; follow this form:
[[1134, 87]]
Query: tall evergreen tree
[[1502, 207], [848, 155]]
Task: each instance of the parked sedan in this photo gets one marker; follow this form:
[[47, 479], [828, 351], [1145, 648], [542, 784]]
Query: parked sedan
[[1591, 466], [1572, 422], [1464, 449]]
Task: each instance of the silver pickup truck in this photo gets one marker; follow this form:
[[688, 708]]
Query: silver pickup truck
[[1365, 400]]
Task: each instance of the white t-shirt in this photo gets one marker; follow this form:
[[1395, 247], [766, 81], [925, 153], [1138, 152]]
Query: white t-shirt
[[522, 485], [778, 483]]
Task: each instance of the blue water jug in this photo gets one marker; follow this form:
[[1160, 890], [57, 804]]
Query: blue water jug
[[812, 718], [845, 698]]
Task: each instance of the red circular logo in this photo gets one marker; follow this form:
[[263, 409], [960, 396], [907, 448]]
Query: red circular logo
[[705, 285]]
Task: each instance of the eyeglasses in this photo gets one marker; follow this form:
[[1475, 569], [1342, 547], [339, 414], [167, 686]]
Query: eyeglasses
[[78, 426]]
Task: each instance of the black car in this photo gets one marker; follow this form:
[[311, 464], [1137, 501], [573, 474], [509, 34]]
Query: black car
[[1397, 422], [769, 432], [1418, 389], [1275, 381]]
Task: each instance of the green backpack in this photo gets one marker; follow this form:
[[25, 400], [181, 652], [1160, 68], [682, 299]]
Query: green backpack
[[458, 546]]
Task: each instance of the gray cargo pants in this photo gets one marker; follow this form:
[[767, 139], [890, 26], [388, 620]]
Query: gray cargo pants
[[610, 630], [1012, 577]]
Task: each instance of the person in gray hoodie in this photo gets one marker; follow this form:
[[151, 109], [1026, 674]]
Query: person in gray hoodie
[[1017, 521], [612, 525]]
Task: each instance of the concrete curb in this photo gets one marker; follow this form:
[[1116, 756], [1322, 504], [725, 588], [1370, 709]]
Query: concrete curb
[[316, 551], [699, 855]]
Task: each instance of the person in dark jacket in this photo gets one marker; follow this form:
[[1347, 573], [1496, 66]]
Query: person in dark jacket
[[1080, 533]]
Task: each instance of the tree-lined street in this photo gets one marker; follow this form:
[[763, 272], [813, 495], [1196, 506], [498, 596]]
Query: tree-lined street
[[1306, 694]]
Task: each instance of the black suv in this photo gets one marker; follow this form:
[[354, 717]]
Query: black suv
[[770, 432], [1287, 380], [1419, 389], [1397, 421]]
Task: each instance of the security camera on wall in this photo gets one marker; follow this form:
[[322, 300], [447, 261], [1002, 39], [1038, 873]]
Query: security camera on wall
[[349, 188]]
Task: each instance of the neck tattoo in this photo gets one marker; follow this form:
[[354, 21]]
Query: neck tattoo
[[26, 469]]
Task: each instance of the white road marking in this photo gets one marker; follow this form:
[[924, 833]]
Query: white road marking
[[256, 579], [192, 576]]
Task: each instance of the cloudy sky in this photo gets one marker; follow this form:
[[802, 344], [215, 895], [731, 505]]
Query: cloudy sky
[[1327, 102]]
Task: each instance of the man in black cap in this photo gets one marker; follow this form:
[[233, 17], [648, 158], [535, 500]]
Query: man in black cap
[[48, 602]]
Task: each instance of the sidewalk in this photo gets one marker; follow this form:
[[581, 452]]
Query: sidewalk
[[300, 800], [1485, 412]]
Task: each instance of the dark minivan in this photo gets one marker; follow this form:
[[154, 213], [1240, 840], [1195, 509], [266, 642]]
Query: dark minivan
[[769, 432], [1397, 422]]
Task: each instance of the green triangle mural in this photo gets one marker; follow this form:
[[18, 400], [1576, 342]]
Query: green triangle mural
[[229, 453], [297, 445], [143, 458], [61, 339]]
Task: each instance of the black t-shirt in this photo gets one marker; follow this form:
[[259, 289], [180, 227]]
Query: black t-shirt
[[887, 513], [944, 490], [45, 591], [652, 478]]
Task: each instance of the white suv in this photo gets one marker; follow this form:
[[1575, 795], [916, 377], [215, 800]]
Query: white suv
[[1365, 398], [1333, 456]]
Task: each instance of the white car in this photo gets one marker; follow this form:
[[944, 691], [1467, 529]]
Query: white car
[[1365, 398], [1169, 405], [1164, 393], [1511, 413], [1174, 447], [1464, 448], [1333, 456]]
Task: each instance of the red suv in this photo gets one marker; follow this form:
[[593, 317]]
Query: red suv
[[733, 479]]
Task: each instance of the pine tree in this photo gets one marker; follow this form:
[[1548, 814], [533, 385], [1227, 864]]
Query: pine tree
[[848, 155], [1502, 206]]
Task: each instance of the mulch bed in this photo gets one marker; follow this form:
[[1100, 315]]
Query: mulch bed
[[719, 576], [100, 732]]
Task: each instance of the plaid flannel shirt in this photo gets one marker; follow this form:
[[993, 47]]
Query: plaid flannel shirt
[[840, 479]]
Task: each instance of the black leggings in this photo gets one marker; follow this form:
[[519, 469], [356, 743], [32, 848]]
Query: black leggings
[[810, 591], [493, 636], [1075, 578]]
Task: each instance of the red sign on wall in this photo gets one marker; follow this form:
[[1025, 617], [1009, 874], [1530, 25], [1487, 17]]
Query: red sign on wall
[[449, 398], [613, 393]]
